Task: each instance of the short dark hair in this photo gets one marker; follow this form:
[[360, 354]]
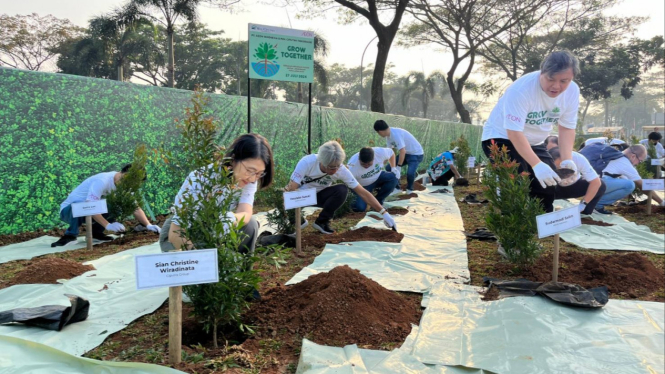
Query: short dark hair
[[366, 155], [555, 153], [126, 168], [655, 135], [380, 125], [552, 138], [253, 146], [559, 61]]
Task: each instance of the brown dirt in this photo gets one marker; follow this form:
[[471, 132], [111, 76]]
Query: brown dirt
[[49, 270], [394, 211], [406, 197], [639, 209], [336, 308], [319, 240], [417, 186], [589, 221]]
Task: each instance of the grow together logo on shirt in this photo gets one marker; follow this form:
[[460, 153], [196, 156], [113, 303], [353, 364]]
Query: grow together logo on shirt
[[540, 117], [377, 169]]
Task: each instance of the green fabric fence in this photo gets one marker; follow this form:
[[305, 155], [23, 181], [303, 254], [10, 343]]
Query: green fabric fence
[[56, 130]]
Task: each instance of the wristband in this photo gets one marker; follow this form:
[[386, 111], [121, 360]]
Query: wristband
[[399, 166], [383, 211]]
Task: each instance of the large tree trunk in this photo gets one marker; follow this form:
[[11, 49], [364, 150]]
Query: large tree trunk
[[456, 95], [171, 57], [377, 104], [120, 72], [586, 109]]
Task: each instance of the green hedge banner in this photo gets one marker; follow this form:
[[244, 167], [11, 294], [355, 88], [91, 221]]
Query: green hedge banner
[[56, 130]]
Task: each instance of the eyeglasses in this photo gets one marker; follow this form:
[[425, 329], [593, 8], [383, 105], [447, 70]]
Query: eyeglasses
[[638, 159], [331, 168], [253, 172]]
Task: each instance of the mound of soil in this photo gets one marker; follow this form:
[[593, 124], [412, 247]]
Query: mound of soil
[[639, 209], [49, 270], [406, 197], [417, 186], [589, 221], [336, 308], [319, 240], [394, 211]]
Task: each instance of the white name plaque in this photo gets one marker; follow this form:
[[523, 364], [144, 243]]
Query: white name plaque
[[89, 208], [559, 221], [299, 198], [653, 184], [172, 269]]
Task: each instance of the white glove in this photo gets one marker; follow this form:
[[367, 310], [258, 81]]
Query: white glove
[[569, 164], [397, 171], [115, 227], [154, 228], [389, 221], [545, 175], [582, 206]]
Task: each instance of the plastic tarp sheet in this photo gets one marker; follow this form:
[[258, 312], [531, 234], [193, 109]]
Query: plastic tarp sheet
[[114, 303], [23, 356], [38, 247], [320, 359], [433, 248], [262, 218], [534, 335], [623, 236]]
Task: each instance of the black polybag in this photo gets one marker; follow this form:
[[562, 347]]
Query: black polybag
[[50, 317], [481, 233], [560, 292], [286, 240]]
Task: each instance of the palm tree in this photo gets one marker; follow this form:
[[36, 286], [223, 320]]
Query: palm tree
[[416, 81], [170, 12]]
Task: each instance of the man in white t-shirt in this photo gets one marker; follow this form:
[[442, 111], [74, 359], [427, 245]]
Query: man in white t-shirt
[[92, 189], [586, 184], [526, 114], [408, 149], [654, 140], [320, 171], [621, 177], [368, 167]]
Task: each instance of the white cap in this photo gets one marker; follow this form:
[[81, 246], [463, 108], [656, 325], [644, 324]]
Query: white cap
[[454, 150]]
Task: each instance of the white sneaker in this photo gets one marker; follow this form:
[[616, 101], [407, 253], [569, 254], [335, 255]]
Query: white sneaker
[[409, 192], [395, 192]]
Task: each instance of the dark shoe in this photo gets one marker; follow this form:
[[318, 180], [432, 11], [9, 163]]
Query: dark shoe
[[65, 240], [603, 211], [101, 236], [323, 227]]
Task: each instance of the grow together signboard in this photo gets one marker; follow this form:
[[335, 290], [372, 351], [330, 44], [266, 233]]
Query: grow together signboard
[[281, 54]]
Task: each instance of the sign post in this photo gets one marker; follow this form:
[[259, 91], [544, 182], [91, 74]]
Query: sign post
[[555, 223], [651, 185], [470, 164], [298, 199], [89, 209], [174, 270]]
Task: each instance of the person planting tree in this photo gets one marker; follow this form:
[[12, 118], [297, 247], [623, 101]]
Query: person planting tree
[[320, 171], [368, 167], [526, 114], [440, 171], [92, 189], [408, 150]]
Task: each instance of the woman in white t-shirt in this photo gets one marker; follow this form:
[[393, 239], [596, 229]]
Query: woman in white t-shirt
[[320, 171], [526, 114], [251, 161]]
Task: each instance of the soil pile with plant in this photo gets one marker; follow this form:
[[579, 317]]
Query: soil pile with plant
[[394, 211], [589, 221], [406, 196], [639, 209], [319, 240], [49, 270], [336, 308]]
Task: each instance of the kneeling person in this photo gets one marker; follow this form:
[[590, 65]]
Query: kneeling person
[[586, 183], [93, 189], [319, 171], [367, 166], [439, 171]]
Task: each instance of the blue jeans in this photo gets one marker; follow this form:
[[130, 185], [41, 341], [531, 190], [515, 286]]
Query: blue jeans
[[617, 188], [412, 162], [74, 222], [385, 184]]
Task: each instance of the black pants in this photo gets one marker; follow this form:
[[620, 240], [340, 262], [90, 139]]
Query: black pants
[[578, 189], [443, 179], [330, 199], [546, 195]]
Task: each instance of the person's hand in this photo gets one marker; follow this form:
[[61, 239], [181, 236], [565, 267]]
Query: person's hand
[[389, 221], [115, 227], [545, 175], [397, 171], [569, 164], [154, 228], [582, 206]]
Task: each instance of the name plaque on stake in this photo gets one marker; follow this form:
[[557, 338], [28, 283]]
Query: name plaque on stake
[[299, 198], [653, 184], [176, 269], [471, 162], [89, 208], [558, 222], [657, 161]]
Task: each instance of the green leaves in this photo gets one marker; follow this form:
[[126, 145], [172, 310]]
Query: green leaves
[[265, 51]]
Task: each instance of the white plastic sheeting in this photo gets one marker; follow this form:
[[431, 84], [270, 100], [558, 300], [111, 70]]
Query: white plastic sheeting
[[22, 356], [534, 335], [114, 303], [623, 236], [433, 247], [262, 218], [38, 247]]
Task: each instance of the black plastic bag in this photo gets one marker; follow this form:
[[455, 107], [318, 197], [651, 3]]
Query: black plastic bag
[[50, 317], [481, 233], [564, 293], [286, 240]]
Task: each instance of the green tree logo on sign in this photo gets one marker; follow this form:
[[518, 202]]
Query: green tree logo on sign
[[266, 54]]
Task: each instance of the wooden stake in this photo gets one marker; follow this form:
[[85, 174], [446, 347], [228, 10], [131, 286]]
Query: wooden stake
[[649, 195], [88, 233], [175, 325], [555, 259], [478, 176], [298, 232]]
